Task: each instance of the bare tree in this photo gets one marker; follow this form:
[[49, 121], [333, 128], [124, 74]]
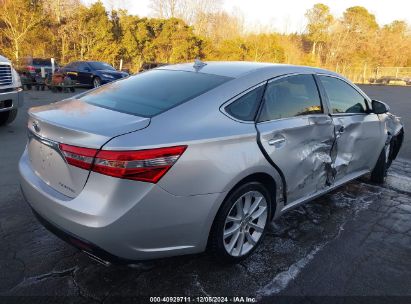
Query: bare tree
[[165, 8], [60, 9], [188, 10], [219, 26], [17, 20]]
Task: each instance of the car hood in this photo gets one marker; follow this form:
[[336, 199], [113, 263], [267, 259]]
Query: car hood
[[4, 59]]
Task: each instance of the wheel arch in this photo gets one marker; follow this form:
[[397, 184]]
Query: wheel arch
[[266, 180]]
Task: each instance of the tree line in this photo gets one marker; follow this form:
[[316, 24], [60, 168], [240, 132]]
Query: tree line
[[181, 30]]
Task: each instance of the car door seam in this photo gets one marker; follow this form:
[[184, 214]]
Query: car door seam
[[270, 161]]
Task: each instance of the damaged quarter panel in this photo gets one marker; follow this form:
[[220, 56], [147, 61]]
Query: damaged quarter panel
[[297, 135]]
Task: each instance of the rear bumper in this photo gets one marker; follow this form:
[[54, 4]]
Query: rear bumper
[[124, 219], [81, 244], [11, 99]]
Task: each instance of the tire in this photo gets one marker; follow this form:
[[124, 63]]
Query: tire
[[96, 82], [379, 173], [7, 117], [242, 237]]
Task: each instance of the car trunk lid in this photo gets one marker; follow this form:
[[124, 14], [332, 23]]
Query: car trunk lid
[[76, 123]]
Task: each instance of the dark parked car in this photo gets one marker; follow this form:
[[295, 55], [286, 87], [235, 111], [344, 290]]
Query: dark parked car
[[92, 73]]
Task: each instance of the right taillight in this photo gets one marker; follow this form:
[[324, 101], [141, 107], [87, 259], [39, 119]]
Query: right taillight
[[142, 165]]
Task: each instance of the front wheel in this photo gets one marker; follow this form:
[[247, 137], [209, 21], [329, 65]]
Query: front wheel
[[96, 82], [379, 173], [7, 117], [241, 223]]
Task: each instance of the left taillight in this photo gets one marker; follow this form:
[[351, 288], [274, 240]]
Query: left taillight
[[142, 165], [78, 157]]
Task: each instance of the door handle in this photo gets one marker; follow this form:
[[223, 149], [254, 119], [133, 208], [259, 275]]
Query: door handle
[[341, 130], [276, 142], [320, 120]]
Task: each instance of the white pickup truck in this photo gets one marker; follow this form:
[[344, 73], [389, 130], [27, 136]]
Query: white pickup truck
[[11, 92]]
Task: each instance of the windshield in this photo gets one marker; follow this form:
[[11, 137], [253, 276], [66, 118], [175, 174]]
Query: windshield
[[101, 66], [153, 92]]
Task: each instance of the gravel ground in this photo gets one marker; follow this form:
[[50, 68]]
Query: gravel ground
[[355, 241]]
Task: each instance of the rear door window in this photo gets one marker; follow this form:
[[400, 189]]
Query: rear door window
[[71, 66], [153, 92], [343, 98], [82, 66], [289, 97]]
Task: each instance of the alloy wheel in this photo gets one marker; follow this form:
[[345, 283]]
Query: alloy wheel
[[96, 82], [245, 223]]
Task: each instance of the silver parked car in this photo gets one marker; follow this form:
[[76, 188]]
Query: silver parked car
[[182, 158]]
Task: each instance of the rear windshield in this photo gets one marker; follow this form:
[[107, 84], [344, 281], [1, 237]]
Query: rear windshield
[[96, 65], [37, 61], [153, 92]]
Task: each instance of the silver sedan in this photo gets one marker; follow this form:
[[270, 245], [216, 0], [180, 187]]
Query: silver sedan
[[185, 158]]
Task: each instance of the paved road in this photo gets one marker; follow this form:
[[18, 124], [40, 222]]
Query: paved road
[[353, 241], [399, 100]]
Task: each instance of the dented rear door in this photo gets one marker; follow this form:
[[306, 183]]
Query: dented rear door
[[297, 134]]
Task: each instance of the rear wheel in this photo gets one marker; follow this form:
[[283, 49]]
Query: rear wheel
[[379, 173], [7, 117], [241, 223]]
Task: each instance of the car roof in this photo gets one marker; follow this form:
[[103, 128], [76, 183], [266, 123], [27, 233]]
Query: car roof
[[238, 69]]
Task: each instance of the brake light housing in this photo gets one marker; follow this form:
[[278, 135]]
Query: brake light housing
[[141, 165], [78, 157]]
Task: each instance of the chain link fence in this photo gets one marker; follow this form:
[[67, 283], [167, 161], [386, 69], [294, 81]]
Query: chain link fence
[[379, 75]]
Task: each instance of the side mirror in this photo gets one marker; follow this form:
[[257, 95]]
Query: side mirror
[[86, 69], [379, 107]]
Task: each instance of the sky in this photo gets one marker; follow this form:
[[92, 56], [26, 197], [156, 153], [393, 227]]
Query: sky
[[284, 15]]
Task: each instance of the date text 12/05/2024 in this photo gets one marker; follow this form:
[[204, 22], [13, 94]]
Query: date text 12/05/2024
[[202, 299]]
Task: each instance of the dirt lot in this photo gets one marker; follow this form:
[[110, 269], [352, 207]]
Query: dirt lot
[[355, 241]]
